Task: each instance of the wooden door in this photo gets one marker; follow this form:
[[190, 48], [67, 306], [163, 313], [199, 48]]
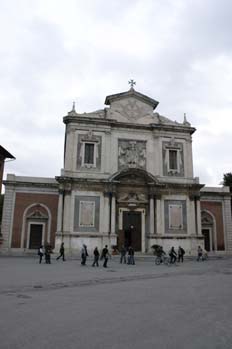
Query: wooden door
[[36, 231], [132, 229], [206, 233]]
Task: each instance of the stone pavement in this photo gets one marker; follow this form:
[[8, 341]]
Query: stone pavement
[[66, 305]]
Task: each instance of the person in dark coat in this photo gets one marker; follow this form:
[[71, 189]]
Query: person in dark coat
[[48, 251], [105, 256], [172, 255], [61, 252], [40, 253], [131, 252], [96, 255], [123, 255], [84, 254], [181, 253]]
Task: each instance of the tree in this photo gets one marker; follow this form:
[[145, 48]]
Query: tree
[[227, 180]]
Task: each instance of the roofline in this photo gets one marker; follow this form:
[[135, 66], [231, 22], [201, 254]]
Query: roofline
[[131, 93], [5, 153]]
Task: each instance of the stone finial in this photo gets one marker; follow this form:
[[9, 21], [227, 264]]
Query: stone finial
[[73, 111], [185, 122]]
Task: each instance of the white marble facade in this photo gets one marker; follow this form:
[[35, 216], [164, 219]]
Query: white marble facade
[[128, 165]]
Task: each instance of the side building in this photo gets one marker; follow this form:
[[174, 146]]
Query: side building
[[127, 179]]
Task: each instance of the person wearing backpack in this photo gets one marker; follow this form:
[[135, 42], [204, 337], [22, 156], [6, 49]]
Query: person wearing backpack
[[181, 253]]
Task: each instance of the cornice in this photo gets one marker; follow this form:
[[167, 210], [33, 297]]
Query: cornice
[[116, 124]]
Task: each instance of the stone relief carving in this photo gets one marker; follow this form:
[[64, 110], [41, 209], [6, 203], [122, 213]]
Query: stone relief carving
[[206, 219], [132, 197], [131, 154], [130, 109]]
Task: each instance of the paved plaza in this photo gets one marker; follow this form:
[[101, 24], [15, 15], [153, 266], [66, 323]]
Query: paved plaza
[[66, 305]]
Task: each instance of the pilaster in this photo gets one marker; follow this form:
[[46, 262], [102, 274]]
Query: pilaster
[[7, 217]]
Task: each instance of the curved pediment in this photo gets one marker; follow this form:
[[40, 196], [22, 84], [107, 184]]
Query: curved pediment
[[134, 175]]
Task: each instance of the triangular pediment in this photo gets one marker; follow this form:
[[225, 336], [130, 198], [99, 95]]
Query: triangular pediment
[[131, 106], [131, 93], [135, 175]]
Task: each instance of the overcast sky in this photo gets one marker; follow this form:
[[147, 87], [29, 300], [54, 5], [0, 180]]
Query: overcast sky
[[179, 52]]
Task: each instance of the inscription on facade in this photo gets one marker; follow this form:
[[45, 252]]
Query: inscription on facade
[[86, 214]]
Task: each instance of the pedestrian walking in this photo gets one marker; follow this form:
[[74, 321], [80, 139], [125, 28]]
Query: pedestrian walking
[[105, 255], [199, 253], [48, 251], [181, 253], [61, 252], [40, 253], [123, 255], [96, 255], [84, 254], [131, 258], [173, 255]]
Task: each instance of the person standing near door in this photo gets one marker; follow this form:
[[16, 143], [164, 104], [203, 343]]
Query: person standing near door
[[131, 259], [123, 255]]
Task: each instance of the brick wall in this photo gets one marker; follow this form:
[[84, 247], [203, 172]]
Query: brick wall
[[216, 210], [22, 202]]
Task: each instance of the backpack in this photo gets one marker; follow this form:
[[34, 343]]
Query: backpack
[[183, 251]]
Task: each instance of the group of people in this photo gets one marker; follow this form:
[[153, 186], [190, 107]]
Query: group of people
[[45, 251], [96, 254], [201, 254], [127, 255], [179, 255]]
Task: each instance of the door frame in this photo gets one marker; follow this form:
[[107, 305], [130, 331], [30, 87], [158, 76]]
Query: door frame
[[29, 231], [212, 242], [143, 213]]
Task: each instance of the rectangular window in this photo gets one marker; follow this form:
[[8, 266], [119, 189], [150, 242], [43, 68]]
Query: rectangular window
[[173, 160], [89, 153]]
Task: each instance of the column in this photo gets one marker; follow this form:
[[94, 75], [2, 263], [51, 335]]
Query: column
[[7, 215], [152, 218], [113, 213], [143, 232], [66, 212], [159, 225], [228, 223], [106, 213], [60, 212], [198, 215]]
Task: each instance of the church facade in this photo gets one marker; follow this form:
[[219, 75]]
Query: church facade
[[127, 180]]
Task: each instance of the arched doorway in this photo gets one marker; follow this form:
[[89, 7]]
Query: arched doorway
[[208, 231]]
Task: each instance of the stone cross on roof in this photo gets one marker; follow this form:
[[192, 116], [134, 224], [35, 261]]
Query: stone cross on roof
[[132, 83]]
